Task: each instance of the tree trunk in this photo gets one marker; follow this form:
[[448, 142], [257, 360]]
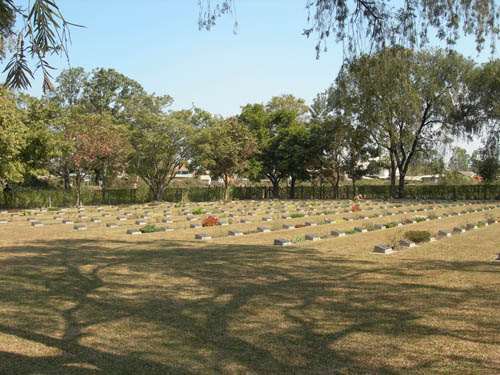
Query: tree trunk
[[337, 182], [292, 188], [67, 179], [393, 175], [104, 177], [353, 188], [401, 187], [225, 178], [276, 190], [158, 194], [78, 183]]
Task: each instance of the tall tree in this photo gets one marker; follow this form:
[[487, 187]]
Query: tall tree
[[70, 85], [356, 155], [223, 148], [92, 139], [42, 118], [407, 100], [13, 139], [328, 139], [107, 90], [283, 144], [160, 146]]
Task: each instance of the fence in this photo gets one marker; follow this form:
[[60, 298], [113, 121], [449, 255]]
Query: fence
[[61, 198]]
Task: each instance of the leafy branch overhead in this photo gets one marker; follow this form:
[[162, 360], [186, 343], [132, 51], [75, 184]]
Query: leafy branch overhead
[[43, 31], [367, 25]]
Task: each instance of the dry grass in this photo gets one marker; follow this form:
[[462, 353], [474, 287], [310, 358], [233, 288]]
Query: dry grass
[[102, 302]]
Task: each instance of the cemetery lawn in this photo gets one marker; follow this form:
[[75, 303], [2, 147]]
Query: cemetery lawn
[[103, 302]]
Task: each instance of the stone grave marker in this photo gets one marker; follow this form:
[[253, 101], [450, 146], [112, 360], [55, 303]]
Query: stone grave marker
[[95, 220], [263, 229], [235, 233], [407, 243], [337, 233], [360, 229], [79, 227], [202, 236], [36, 224], [282, 242], [68, 222], [382, 249], [111, 225], [288, 226], [134, 231], [444, 233], [194, 226], [310, 224], [312, 237]]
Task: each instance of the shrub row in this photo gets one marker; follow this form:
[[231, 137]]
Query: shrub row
[[47, 198]]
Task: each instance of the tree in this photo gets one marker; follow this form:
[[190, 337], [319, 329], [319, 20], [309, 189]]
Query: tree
[[13, 139], [487, 163], [459, 160], [356, 155], [488, 168], [383, 23], [70, 86], [223, 148], [481, 109], [92, 139], [328, 135], [159, 147], [428, 161], [42, 118], [283, 143], [106, 90], [406, 100], [41, 31]]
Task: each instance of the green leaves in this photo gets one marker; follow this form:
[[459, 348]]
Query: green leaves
[[43, 31]]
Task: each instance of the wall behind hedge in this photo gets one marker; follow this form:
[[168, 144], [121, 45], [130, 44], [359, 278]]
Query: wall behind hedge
[[61, 198]]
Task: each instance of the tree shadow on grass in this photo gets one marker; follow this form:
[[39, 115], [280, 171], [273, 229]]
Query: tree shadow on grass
[[179, 307]]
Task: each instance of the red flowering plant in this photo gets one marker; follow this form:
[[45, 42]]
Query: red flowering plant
[[355, 209], [210, 221]]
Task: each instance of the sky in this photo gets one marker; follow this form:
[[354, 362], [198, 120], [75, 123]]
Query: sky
[[158, 44]]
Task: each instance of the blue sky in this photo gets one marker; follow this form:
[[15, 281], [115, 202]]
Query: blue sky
[[157, 43]]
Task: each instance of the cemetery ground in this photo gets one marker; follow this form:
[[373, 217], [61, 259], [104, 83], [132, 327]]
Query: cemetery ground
[[101, 301]]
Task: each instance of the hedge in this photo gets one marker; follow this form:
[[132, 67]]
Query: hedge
[[62, 198]]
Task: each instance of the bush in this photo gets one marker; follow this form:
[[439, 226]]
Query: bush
[[392, 224], [197, 211], [296, 215], [369, 227], [418, 236], [210, 221], [355, 208], [53, 209], [150, 228], [300, 225]]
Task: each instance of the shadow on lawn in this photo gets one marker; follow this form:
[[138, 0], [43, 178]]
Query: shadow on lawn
[[173, 307]]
